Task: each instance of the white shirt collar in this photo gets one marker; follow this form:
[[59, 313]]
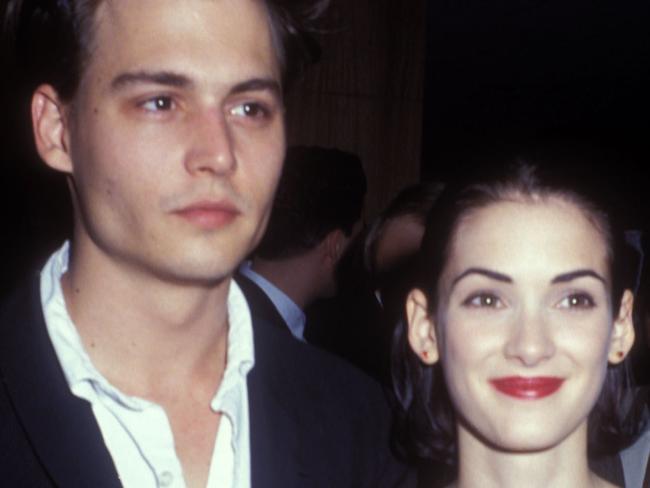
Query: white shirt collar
[[76, 363], [137, 432]]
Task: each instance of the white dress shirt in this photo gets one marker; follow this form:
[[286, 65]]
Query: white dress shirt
[[137, 432], [290, 312]]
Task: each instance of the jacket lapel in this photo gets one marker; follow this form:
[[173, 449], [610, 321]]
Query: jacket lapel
[[260, 304], [276, 456], [60, 427]]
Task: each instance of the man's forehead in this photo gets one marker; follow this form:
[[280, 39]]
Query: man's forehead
[[178, 34], [123, 12]]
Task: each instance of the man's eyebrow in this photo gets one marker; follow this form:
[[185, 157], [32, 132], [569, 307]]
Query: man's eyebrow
[[573, 275], [258, 84], [177, 80], [166, 78], [493, 275]]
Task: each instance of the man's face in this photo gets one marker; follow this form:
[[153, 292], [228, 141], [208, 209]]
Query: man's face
[[176, 136]]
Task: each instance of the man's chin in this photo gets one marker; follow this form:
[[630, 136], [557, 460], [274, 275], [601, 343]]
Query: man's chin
[[204, 275]]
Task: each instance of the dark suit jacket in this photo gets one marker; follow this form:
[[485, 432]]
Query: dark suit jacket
[[260, 304], [314, 422], [351, 325]]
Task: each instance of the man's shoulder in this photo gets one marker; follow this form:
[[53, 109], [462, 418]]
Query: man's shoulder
[[20, 304], [320, 386], [331, 406], [302, 361], [39, 417]]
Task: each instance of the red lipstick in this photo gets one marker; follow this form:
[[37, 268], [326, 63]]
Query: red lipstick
[[528, 388], [209, 215]]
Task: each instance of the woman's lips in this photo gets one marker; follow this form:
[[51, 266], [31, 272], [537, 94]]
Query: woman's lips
[[209, 215], [528, 388]]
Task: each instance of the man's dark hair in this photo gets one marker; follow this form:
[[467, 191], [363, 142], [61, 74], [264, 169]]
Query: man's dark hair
[[51, 41], [320, 190]]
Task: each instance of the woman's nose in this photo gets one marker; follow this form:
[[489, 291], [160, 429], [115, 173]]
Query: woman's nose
[[529, 341]]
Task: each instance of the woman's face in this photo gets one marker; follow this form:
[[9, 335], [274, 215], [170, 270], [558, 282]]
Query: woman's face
[[525, 327]]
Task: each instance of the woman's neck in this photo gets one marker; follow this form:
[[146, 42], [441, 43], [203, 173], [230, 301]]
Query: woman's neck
[[562, 465]]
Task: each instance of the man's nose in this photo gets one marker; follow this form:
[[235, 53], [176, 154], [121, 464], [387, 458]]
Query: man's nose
[[529, 340], [211, 144]]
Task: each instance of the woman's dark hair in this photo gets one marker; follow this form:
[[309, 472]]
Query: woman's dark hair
[[51, 41], [426, 422]]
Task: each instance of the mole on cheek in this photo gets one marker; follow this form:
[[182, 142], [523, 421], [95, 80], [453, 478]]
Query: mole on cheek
[[109, 187]]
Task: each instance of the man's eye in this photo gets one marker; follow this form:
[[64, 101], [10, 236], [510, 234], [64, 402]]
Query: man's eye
[[252, 110], [577, 301], [483, 300], [158, 104]]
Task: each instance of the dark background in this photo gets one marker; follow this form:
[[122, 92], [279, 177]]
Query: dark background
[[422, 89], [538, 76]]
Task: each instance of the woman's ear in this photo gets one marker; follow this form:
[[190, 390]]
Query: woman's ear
[[623, 331], [51, 128], [421, 328]]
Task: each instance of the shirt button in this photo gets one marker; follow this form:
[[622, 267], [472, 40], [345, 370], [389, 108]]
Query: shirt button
[[165, 478]]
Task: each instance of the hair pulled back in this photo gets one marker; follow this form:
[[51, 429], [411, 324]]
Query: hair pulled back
[[426, 422]]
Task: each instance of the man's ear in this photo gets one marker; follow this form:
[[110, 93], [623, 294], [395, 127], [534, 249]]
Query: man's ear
[[51, 128], [623, 331], [334, 245], [421, 328]]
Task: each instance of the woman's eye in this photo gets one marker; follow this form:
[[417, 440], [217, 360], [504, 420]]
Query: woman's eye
[[251, 110], [158, 104], [577, 301], [483, 300]]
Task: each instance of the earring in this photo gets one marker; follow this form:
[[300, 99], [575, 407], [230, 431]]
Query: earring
[[619, 354], [425, 355]]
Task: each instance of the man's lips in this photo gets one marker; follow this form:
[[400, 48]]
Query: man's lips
[[528, 388], [208, 214]]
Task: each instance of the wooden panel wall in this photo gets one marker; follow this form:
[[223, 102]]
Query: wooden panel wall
[[366, 94]]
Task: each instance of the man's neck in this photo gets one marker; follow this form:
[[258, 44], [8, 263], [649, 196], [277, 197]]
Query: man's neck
[[148, 336]]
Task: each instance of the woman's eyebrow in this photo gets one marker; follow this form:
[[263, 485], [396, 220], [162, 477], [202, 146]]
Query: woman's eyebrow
[[493, 275], [579, 273], [561, 278]]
